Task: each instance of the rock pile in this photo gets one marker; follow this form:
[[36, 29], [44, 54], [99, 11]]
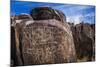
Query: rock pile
[[46, 39]]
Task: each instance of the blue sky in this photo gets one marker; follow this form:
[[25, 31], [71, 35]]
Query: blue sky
[[74, 13]]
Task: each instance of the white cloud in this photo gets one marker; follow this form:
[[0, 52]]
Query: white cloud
[[75, 8], [77, 20], [90, 14], [74, 19]]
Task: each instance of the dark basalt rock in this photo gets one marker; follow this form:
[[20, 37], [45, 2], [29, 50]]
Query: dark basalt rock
[[42, 43], [44, 13]]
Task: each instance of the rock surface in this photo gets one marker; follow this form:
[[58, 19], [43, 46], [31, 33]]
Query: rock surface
[[43, 13], [84, 40]]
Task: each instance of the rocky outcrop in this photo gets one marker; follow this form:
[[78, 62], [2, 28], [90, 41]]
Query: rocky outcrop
[[84, 40], [45, 39]]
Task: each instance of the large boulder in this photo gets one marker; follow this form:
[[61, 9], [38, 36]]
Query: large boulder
[[43, 13], [46, 42]]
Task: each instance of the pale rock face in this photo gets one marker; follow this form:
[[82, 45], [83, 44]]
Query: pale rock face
[[29, 22]]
